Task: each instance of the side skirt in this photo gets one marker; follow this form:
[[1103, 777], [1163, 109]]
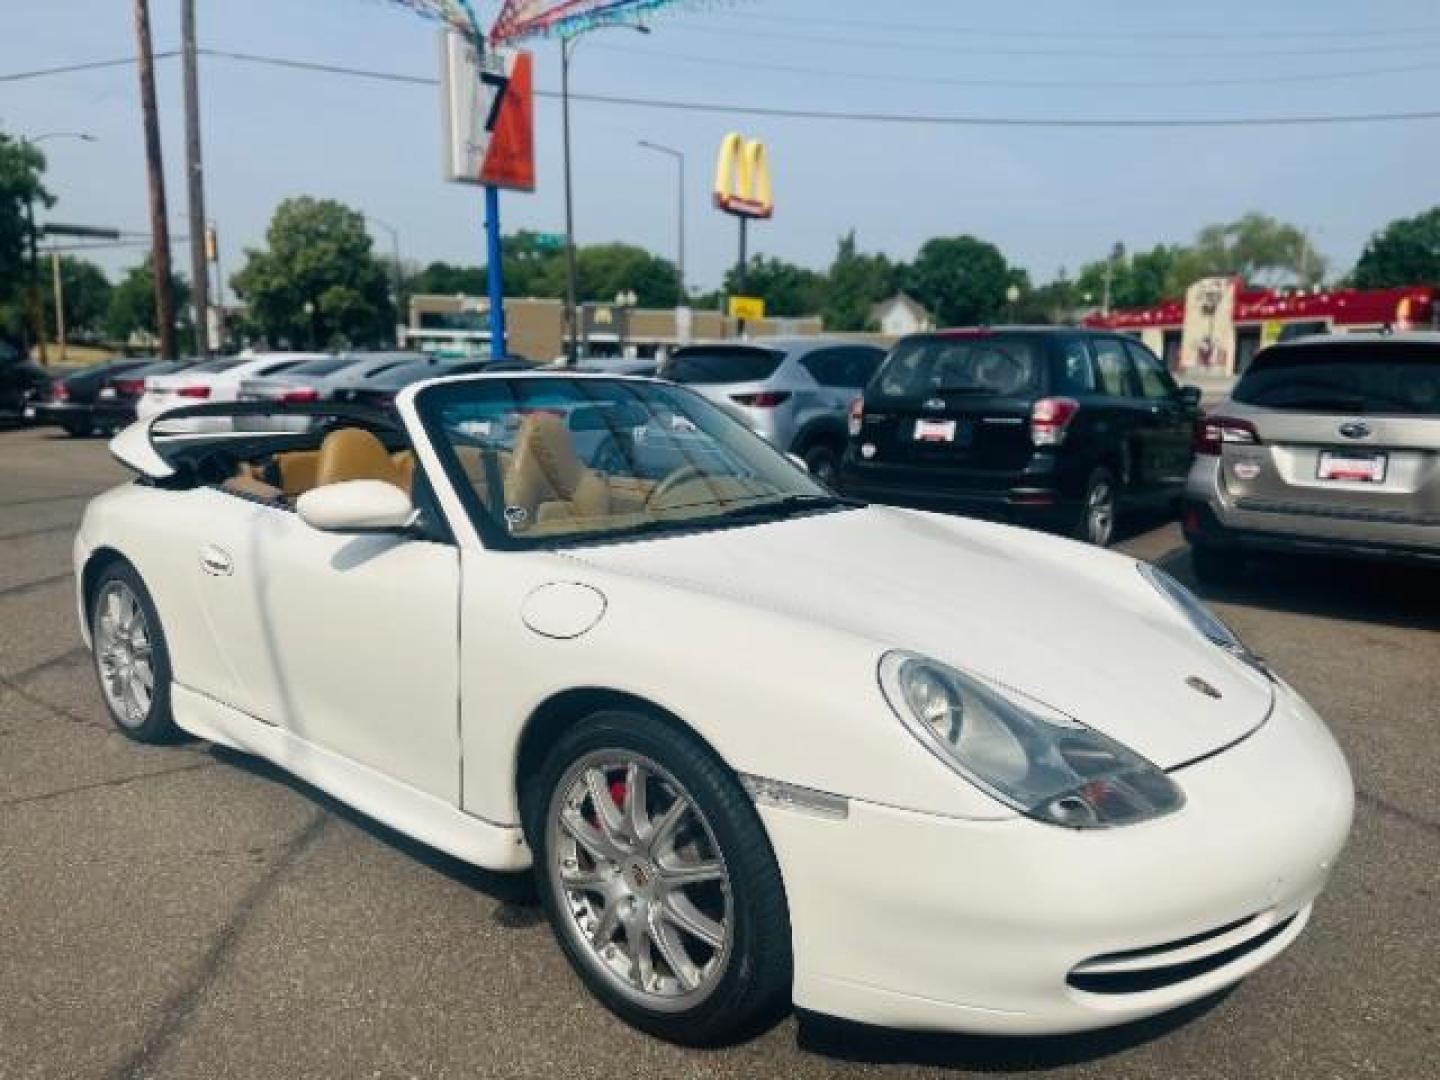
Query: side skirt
[[414, 813]]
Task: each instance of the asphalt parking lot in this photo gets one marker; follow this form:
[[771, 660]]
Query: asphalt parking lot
[[187, 912]]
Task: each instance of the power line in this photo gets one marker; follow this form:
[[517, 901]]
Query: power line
[[1052, 84], [862, 117], [91, 65], [1095, 35], [911, 119], [872, 44]]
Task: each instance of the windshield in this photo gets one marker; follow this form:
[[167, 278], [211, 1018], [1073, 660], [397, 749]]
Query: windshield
[[326, 365], [712, 364], [997, 365], [542, 460], [1398, 378]]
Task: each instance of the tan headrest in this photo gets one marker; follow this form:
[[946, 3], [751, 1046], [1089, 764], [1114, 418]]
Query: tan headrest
[[353, 454], [546, 465]]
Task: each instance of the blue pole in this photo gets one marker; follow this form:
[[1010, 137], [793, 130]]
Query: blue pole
[[495, 273]]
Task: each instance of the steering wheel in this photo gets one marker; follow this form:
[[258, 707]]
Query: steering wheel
[[682, 475]]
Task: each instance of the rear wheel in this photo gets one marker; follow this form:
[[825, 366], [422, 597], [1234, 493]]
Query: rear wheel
[[659, 880], [1098, 509], [1216, 565], [823, 461], [131, 659]]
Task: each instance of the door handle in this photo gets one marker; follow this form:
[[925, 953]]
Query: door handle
[[216, 561]]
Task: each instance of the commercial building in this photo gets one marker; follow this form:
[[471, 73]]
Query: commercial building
[[536, 328], [1220, 325]]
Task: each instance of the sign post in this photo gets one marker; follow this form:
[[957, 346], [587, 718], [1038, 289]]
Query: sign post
[[743, 190], [489, 116]]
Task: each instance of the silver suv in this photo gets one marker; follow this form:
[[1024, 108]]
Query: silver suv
[[1328, 445], [796, 392]]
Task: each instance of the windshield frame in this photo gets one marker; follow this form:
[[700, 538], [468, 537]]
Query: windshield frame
[[426, 402]]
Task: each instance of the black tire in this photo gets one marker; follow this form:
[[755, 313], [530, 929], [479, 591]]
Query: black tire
[[79, 429], [154, 722], [1216, 565], [1095, 521], [749, 987], [823, 461]]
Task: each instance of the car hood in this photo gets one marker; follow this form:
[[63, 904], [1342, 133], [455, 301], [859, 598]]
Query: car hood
[[1078, 629]]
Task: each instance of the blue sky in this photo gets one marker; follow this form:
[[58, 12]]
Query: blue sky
[[1049, 198]]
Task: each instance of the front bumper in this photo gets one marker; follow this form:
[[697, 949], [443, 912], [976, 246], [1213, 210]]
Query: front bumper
[[920, 922]]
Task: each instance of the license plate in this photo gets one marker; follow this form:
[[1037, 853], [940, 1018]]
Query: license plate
[[1359, 468], [29, 412], [108, 392], [935, 431]]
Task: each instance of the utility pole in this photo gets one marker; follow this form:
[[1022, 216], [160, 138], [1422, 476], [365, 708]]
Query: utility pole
[[159, 226], [59, 285], [195, 174]]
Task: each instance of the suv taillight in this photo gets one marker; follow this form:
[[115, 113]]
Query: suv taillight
[[129, 387], [300, 396], [59, 391], [1050, 419], [857, 417], [1213, 432], [768, 399]]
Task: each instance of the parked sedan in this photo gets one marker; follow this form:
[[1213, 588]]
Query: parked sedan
[[1328, 445], [214, 380], [794, 391], [1059, 428], [22, 383], [317, 380], [759, 744], [72, 402], [379, 390], [115, 404]]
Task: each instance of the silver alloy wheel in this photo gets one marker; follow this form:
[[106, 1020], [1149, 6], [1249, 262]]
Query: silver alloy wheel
[[123, 653], [1100, 514], [641, 885]]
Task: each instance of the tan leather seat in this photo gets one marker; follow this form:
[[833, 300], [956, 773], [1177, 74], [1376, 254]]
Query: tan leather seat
[[296, 471], [547, 470], [354, 454]]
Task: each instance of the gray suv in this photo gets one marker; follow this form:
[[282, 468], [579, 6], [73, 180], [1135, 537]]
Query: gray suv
[[1328, 445], [796, 392]]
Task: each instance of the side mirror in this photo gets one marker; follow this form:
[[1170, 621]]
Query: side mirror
[[357, 506], [798, 462], [1190, 396]]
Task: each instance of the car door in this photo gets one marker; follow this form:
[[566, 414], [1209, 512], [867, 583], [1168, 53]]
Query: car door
[[349, 642], [1124, 414], [1167, 427]]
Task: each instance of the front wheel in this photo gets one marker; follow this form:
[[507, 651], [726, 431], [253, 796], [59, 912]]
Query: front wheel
[[659, 880], [823, 461], [131, 658]]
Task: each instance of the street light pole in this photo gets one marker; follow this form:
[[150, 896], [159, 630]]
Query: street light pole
[[36, 320], [400, 320], [679, 159], [567, 49], [195, 175]]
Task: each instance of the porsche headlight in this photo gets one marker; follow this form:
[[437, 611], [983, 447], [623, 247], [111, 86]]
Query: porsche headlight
[[1205, 621], [1031, 757]]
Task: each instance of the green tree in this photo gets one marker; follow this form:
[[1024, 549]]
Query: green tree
[[605, 270], [318, 281], [856, 283], [22, 167], [1137, 280], [1407, 252], [961, 280], [789, 291], [86, 291], [1256, 247], [131, 308]]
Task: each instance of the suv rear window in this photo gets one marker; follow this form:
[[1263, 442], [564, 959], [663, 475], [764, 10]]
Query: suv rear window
[[998, 365], [1396, 378], [721, 365]]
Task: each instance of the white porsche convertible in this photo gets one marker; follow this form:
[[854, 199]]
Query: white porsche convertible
[[760, 744]]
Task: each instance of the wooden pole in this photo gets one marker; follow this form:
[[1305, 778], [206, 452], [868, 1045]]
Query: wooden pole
[[154, 165], [195, 175]]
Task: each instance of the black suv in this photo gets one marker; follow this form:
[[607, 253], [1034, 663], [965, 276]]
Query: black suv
[[22, 381], [1063, 428]]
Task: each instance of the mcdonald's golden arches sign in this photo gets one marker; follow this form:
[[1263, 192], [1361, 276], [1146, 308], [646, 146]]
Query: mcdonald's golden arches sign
[[742, 178]]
